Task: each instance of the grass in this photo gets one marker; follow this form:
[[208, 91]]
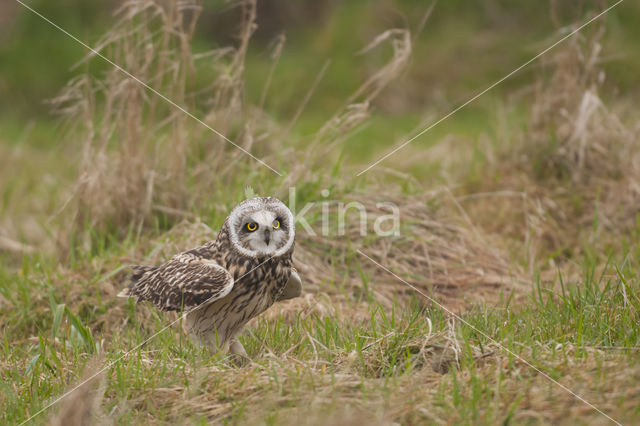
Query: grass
[[412, 363], [536, 253]]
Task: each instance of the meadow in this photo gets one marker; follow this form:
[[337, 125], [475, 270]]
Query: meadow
[[510, 293]]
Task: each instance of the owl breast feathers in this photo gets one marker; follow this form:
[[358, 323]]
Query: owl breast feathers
[[222, 284]]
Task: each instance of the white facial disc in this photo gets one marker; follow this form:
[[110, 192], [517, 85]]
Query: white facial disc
[[254, 204]]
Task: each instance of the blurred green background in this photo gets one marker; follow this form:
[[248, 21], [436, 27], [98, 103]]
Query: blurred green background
[[464, 47]]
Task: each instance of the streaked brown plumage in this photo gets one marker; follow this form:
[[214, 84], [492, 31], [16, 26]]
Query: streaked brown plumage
[[224, 283]]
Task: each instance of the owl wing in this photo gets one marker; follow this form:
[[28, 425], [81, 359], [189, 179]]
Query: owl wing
[[184, 282], [293, 288]]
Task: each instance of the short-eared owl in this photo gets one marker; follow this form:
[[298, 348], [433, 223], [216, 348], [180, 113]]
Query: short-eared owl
[[224, 283]]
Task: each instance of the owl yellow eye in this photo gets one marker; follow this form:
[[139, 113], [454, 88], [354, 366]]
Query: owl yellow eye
[[252, 226], [276, 224]]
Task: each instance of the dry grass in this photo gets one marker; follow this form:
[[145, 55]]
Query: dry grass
[[133, 165], [444, 256], [353, 114], [586, 140], [139, 152], [289, 389], [137, 149], [83, 407], [572, 179], [449, 260], [359, 346]]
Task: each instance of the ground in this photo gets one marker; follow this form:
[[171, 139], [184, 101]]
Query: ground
[[509, 294]]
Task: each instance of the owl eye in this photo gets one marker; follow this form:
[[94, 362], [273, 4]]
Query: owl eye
[[252, 226], [276, 224]]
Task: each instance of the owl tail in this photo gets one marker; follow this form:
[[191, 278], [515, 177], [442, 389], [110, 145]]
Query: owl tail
[[125, 293], [138, 272]]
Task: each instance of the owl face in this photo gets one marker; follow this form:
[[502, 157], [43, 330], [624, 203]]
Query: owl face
[[261, 227]]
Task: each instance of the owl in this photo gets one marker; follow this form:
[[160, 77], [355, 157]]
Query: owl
[[221, 285]]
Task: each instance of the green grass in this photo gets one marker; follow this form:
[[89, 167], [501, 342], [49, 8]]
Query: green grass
[[588, 326], [348, 353]]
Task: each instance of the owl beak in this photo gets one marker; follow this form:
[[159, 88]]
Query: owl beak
[[267, 236]]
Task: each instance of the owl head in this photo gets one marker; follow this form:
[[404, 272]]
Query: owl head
[[261, 227]]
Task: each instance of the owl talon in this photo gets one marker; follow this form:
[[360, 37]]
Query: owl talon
[[236, 348], [238, 353]]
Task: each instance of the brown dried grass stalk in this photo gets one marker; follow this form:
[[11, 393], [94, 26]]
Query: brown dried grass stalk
[[577, 165], [580, 147], [136, 146], [352, 115], [580, 136], [136, 151], [139, 152], [83, 407], [446, 258]]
